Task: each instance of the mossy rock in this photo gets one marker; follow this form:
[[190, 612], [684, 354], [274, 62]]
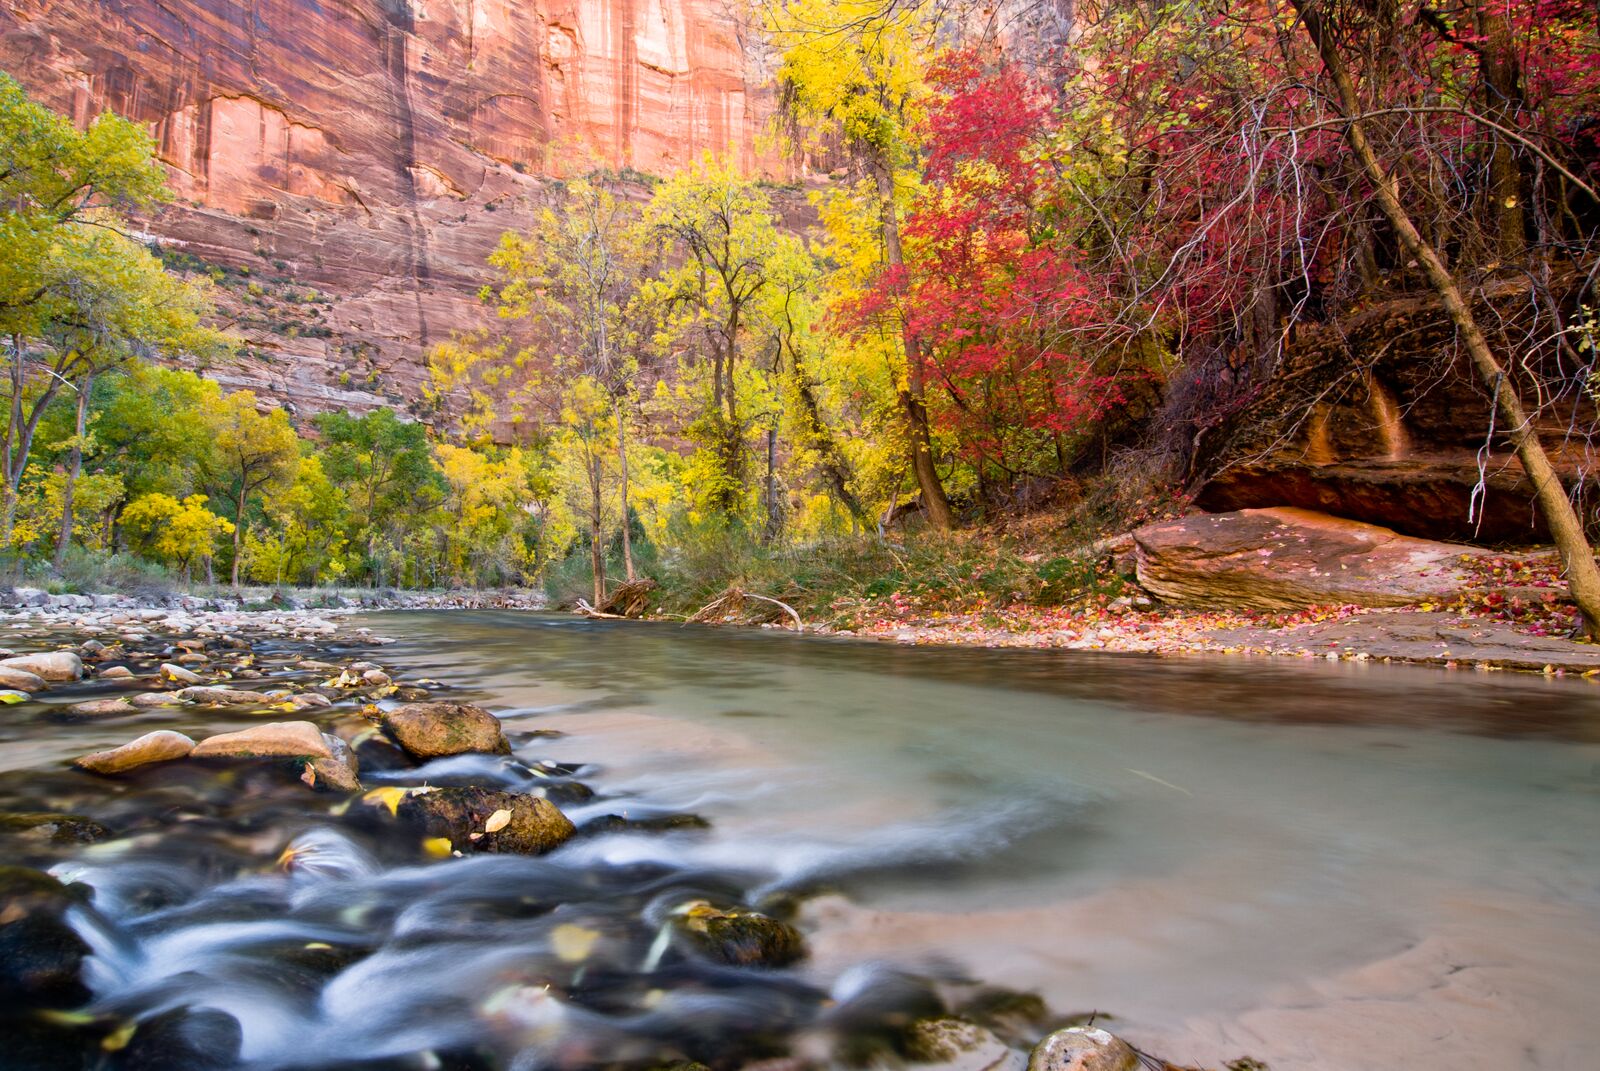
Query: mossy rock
[[486, 820], [194, 1039], [741, 938], [435, 730]]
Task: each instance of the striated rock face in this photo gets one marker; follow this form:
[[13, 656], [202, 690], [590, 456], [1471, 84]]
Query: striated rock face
[[1288, 559], [1380, 419], [352, 162]]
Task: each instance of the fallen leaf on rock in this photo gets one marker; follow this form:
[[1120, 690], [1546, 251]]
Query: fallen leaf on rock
[[497, 821], [573, 943]]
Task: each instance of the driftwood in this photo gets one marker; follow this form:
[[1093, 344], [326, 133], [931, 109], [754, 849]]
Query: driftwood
[[586, 610], [630, 599], [732, 600]]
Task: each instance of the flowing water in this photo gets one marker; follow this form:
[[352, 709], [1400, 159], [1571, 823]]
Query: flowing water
[[1318, 866]]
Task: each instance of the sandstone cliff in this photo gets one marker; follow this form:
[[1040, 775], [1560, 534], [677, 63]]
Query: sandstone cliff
[[352, 162]]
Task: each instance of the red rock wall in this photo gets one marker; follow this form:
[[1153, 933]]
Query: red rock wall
[[375, 149]]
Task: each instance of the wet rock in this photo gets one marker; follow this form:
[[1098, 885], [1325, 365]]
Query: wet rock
[[1083, 1048], [434, 730], [741, 938], [11, 697], [956, 1043], [1016, 1017], [340, 772], [485, 820], [179, 674], [163, 745], [314, 666], [114, 673], [40, 954], [99, 708], [665, 823], [20, 679], [275, 739], [50, 665], [375, 677], [309, 701], [42, 1042], [156, 699], [49, 827], [194, 1039], [380, 754], [217, 696]]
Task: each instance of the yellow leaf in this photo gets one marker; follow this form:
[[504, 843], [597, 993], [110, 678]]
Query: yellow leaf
[[438, 847], [572, 943], [497, 821], [118, 1039], [389, 797]]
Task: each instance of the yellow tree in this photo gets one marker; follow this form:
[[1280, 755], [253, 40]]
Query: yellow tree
[[730, 261], [576, 277], [851, 77], [175, 531]]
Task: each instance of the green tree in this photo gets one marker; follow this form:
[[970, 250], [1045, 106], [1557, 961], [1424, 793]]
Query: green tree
[[173, 531], [254, 453]]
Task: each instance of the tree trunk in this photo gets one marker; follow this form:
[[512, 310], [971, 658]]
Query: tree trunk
[[770, 493], [597, 554], [911, 396], [238, 533], [1502, 90], [622, 464], [1583, 577], [74, 469]]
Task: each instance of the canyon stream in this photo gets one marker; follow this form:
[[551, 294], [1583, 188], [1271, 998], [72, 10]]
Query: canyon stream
[[1325, 866]]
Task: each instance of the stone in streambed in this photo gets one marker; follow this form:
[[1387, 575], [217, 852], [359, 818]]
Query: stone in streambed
[[40, 954], [156, 699], [52, 828], [114, 673], [97, 708], [193, 1039], [218, 696], [163, 745], [274, 740], [340, 772], [179, 675], [434, 730], [20, 679], [522, 824], [50, 665], [1083, 1048], [955, 1043], [741, 938]]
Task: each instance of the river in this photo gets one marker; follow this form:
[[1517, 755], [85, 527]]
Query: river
[[1321, 866]]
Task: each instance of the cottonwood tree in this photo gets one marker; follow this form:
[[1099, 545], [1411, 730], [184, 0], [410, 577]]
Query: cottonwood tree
[[576, 278], [253, 454], [731, 257]]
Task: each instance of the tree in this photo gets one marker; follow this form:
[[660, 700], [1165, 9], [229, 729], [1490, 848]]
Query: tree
[[852, 75], [733, 258], [382, 465], [178, 532], [1583, 576], [253, 453], [576, 278]]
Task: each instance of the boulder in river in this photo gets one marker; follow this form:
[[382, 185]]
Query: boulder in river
[[40, 953], [741, 938], [100, 708], [1289, 559], [50, 665], [218, 696], [955, 1043], [275, 739], [194, 1039], [434, 730], [20, 679], [1083, 1048], [179, 674], [486, 820], [163, 745], [340, 772], [51, 827]]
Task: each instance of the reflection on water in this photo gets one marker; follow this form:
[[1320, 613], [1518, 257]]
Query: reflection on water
[[1323, 866]]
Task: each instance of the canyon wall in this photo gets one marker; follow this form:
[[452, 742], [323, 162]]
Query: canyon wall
[[343, 167]]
